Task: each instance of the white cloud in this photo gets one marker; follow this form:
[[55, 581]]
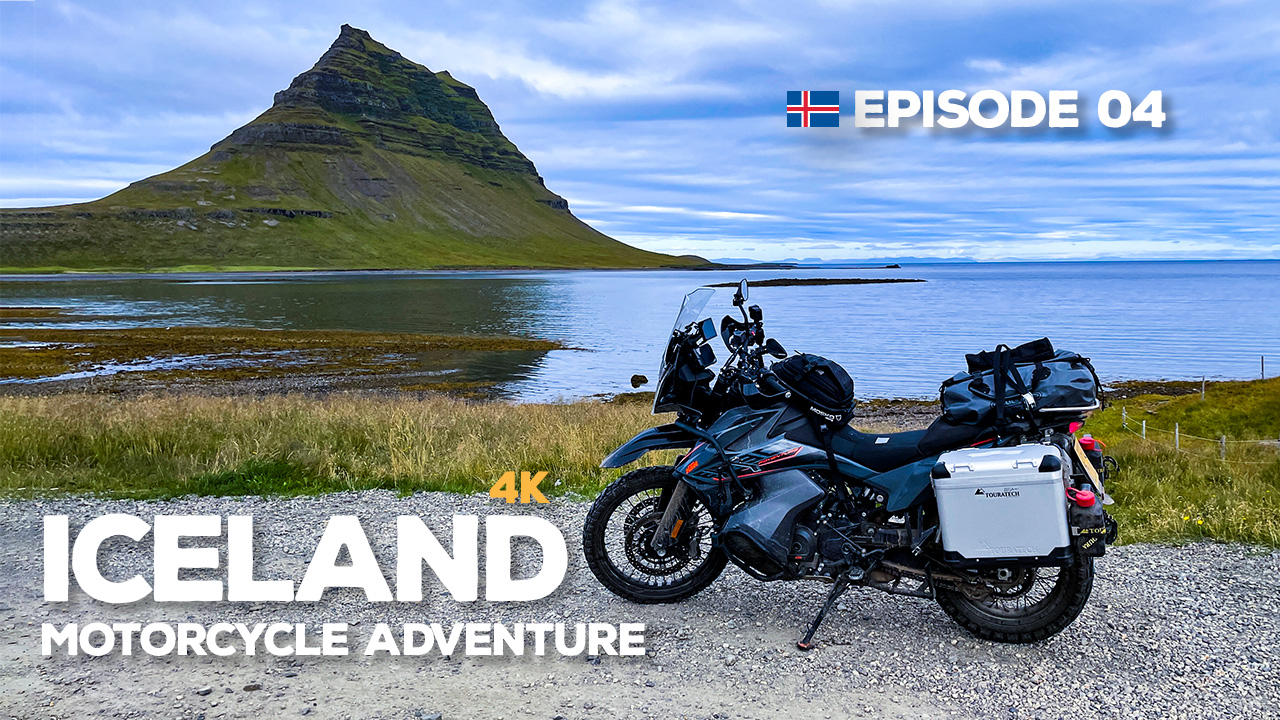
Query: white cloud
[[716, 214], [988, 65], [662, 123], [627, 50], [469, 56]]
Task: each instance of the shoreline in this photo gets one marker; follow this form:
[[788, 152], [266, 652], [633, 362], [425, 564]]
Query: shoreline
[[48, 274], [44, 352], [900, 413], [321, 384], [246, 361], [51, 273]]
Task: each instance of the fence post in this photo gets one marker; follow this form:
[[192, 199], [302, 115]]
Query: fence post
[[1201, 388], [1177, 445], [1124, 416], [1144, 429], [1262, 362], [1222, 447]]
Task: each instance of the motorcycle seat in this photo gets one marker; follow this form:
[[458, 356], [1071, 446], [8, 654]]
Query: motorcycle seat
[[943, 436], [878, 451], [883, 452]]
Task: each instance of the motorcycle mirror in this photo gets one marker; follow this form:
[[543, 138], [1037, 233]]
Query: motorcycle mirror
[[756, 313], [774, 348], [707, 328], [743, 293]]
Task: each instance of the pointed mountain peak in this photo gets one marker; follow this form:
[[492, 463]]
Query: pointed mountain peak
[[362, 91], [366, 160], [354, 40], [347, 31]]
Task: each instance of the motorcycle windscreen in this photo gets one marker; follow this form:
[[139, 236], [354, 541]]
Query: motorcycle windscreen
[[692, 307], [666, 397]]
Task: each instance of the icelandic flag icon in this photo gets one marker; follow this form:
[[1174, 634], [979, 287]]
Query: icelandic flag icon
[[813, 108]]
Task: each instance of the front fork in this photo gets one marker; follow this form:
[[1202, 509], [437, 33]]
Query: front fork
[[667, 528]]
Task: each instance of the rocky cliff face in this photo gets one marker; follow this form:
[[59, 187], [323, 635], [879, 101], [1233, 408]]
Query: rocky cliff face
[[362, 90], [367, 160]]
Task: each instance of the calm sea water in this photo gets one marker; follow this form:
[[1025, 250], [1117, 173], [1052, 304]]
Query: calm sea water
[[1134, 319]]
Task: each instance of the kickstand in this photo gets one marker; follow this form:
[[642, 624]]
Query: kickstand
[[841, 584]]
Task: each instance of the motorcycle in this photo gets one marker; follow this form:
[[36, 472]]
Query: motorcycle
[[781, 485]]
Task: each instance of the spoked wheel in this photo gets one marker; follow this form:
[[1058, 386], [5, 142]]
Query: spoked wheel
[[1021, 605], [617, 540]]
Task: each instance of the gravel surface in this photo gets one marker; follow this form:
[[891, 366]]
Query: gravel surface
[[1170, 632]]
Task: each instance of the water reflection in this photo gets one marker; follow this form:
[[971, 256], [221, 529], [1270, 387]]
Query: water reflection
[[1136, 320]]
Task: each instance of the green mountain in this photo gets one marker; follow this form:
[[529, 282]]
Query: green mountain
[[367, 160]]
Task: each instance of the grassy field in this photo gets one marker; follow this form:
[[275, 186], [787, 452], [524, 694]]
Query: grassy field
[[164, 446], [1191, 492]]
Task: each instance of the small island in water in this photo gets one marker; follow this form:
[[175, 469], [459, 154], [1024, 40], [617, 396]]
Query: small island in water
[[791, 282]]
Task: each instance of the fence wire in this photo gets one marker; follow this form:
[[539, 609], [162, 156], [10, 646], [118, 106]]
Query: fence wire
[[1219, 458], [1181, 434]]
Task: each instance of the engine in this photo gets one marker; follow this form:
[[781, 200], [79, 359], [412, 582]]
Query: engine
[[785, 531], [833, 542], [759, 534]]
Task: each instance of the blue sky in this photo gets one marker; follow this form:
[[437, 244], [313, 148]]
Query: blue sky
[[663, 123]]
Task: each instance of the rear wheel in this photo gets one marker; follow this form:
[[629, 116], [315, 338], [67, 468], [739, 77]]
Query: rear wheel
[[1022, 605], [620, 526]]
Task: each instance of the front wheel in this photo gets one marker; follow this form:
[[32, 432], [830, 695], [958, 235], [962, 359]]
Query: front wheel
[[619, 528], [1022, 605]]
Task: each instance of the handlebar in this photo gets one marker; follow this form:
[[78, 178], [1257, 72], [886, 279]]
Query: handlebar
[[743, 378], [747, 343]]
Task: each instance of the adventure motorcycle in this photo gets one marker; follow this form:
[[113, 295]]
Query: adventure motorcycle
[[995, 510]]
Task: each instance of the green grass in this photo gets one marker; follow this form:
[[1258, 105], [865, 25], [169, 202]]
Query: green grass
[[440, 214], [169, 445], [1163, 494], [165, 446], [63, 269]]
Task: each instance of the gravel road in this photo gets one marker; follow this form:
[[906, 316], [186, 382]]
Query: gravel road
[[1170, 632]]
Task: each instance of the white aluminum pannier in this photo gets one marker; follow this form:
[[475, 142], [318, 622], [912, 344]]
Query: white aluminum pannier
[[1003, 503]]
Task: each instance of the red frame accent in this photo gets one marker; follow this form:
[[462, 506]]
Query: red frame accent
[[779, 457]]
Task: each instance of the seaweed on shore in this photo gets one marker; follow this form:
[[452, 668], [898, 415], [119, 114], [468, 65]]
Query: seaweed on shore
[[29, 312], [228, 354]]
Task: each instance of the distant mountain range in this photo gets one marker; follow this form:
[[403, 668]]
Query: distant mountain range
[[367, 160], [875, 262]]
